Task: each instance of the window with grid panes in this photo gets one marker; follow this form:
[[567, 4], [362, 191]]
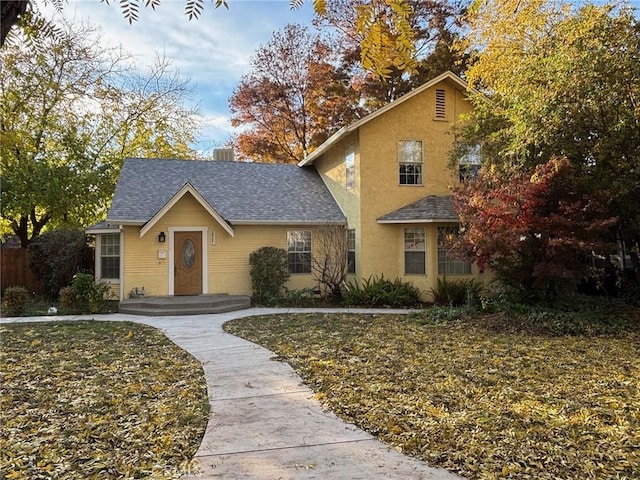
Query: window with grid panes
[[299, 251], [110, 255], [410, 162], [447, 263], [351, 251], [414, 251]]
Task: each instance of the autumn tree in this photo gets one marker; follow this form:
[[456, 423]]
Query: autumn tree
[[69, 115], [386, 40], [293, 99], [558, 81], [434, 27], [537, 230]]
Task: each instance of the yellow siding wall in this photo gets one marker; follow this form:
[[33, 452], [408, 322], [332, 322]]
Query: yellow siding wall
[[380, 247], [228, 258]]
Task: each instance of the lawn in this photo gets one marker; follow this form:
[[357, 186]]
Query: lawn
[[473, 396], [87, 399]]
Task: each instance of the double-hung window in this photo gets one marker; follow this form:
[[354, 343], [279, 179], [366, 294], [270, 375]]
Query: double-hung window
[[299, 251], [351, 251], [410, 162], [469, 163], [414, 251], [350, 166], [110, 256], [447, 263]]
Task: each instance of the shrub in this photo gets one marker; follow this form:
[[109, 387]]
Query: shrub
[[456, 294], [15, 300], [55, 257], [84, 295], [379, 292], [269, 272]]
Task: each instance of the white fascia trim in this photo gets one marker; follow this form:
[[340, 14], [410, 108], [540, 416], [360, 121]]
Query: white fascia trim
[[292, 223], [134, 223], [354, 126], [100, 231], [425, 220], [187, 188], [205, 271]]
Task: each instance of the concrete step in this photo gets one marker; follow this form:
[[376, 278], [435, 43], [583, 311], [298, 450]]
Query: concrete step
[[184, 305]]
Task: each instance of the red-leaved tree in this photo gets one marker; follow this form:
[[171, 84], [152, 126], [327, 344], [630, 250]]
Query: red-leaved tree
[[535, 230]]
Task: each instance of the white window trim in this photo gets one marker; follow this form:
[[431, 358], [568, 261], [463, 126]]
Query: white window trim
[[404, 251], [98, 257], [310, 251], [399, 163], [205, 240]]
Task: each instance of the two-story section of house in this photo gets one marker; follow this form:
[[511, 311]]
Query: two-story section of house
[[390, 174]]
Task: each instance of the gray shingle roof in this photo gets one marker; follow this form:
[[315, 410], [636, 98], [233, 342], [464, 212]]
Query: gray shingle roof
[[429, 209], [240, 192]]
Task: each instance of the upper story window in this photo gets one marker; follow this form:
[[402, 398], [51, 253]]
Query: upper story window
[[350, 166], [351, 251], [414, 251], [469, 163], [110, 256], [410, 162], [441, 110], [299, 251]]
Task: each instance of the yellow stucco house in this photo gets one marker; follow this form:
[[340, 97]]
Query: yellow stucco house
[[184, 227]]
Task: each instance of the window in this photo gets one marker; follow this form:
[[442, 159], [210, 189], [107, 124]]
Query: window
[[440, 105], [351, 251], [469, 163], [110, 255], [299, 251], [414, 251], [410, 160], [447, 264], [350, 166]]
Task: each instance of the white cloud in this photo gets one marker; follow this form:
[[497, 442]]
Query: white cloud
[[213, 51]]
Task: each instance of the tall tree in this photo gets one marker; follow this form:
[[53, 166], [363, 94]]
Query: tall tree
[[434, 27], [386, 38], [562, 82], [69, 115], [292, 99]]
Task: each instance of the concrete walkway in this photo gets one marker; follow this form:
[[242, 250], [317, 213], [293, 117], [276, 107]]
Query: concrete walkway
[[265, 423]]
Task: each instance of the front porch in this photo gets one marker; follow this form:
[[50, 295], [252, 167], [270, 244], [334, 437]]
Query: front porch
[[184, 305]]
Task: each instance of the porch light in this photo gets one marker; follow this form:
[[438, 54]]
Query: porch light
[[162, 237]]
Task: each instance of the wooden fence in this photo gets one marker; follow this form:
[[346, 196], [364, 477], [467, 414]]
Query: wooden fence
[[14, 263]]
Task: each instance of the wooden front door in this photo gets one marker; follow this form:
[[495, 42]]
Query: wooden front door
[[187, 260]]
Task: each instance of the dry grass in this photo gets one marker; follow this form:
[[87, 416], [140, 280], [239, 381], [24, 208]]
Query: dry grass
[[483, 403], [82, 400]]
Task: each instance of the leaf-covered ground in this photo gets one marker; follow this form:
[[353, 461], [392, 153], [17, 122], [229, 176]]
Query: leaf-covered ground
[[84, 400], [462, 396]]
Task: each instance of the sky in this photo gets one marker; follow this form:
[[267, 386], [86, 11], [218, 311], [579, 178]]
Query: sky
[[213, 52]]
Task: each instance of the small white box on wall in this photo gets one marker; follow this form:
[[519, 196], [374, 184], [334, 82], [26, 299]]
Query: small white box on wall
[[162, 254], [213, 237]]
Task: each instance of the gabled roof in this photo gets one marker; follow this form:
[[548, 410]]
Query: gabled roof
[[430, 209], [344, 131], [240, 193], [187, 188]]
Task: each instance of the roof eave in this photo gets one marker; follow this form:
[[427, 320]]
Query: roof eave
[[418, 220], [340, 134], [187, 188]]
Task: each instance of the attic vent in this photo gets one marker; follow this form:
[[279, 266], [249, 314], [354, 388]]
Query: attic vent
[[223, 155], [440, 105]]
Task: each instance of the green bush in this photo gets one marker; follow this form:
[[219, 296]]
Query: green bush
[[15, 300], [55, 257], [269, 272], [455, 294], [84, 295], [379, 292]]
